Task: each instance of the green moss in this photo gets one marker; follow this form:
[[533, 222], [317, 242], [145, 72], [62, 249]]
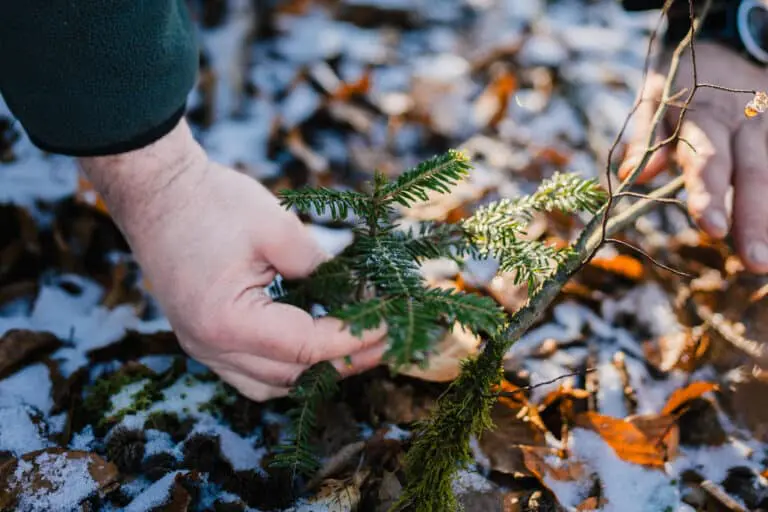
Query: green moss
[[98, 397], [441, 447]]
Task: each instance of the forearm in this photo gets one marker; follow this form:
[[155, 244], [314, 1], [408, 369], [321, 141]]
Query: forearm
[[133, 183]]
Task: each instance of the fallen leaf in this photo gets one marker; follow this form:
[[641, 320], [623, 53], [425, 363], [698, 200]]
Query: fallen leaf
[[19, 347], [359, 87], [592, 503], [682, 396], [445, 362], [627, 439], [662, 431], [565, 471], [514, 430], [44, 473], [621, 265]]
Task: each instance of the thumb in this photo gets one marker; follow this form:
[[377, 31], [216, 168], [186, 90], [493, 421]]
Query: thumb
[[643, 120], [290, 248]]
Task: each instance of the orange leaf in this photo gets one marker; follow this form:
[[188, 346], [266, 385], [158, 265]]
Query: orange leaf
[[628, 441], [661, 430], [517, 401], [553, 156], [86, 194], [680, 397], [358, 88], [622, 265], [533, 456], [592, 503], [564, 392]]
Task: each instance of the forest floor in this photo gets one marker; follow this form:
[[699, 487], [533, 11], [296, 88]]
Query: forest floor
[[101, 410]]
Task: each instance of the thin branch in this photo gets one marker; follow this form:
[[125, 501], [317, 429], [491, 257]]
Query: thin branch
[[509, 394], [651, 258], [628, 118], [727, 89], [668, 200]]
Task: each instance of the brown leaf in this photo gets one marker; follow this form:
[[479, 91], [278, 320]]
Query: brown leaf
[[682, 396], [35, 476], [534, 459], [20, 347], [628, 440], [135, 345], [592, 503], [491, 105], [503, 444], [661, 430], [444, 363], [179, 497], [360, 87]]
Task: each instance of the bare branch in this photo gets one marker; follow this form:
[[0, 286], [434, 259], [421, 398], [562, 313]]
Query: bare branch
[[651, 258]]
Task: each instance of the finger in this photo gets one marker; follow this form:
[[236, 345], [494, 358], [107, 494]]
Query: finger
[[705, 156], [643, 121], [362, 361], [268, 371], [750, 198], [259, 326], [251, 388], [290, 247]]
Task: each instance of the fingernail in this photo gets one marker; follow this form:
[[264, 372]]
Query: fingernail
[[758, 253], [718, 222]]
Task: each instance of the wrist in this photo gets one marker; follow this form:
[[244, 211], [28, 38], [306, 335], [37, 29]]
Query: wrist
[[136, 185]]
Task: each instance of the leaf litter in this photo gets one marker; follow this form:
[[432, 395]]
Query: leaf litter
[[660, 409]]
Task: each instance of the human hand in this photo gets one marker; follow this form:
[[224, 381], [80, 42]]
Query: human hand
[[210, 240], [720, 148]]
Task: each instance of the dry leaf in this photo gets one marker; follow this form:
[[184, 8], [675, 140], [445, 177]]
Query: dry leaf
[[445, 363], [19, 347], [535, 461], [491, 106], [361, 87], [32, 473], [628, 440], [682, 396], [662, 431], [592, 503], [621, 265]]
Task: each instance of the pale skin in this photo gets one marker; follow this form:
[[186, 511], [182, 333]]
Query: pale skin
[[210, 239], [724, 149]]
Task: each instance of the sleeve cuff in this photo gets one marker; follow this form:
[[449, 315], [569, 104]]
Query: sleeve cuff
[[139, 141]]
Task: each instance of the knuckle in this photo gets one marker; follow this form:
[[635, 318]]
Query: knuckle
[[307, 353]]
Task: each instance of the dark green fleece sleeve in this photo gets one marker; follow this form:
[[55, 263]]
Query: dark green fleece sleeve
[[96, 77]]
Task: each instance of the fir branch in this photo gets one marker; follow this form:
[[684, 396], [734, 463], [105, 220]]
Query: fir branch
[[360, 316], [437, 174], [434, 240], [332, 284], [316, 385], [337, 202], [567, 193], [531, 261], [412, 330], [384, 260], [472, 311]]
